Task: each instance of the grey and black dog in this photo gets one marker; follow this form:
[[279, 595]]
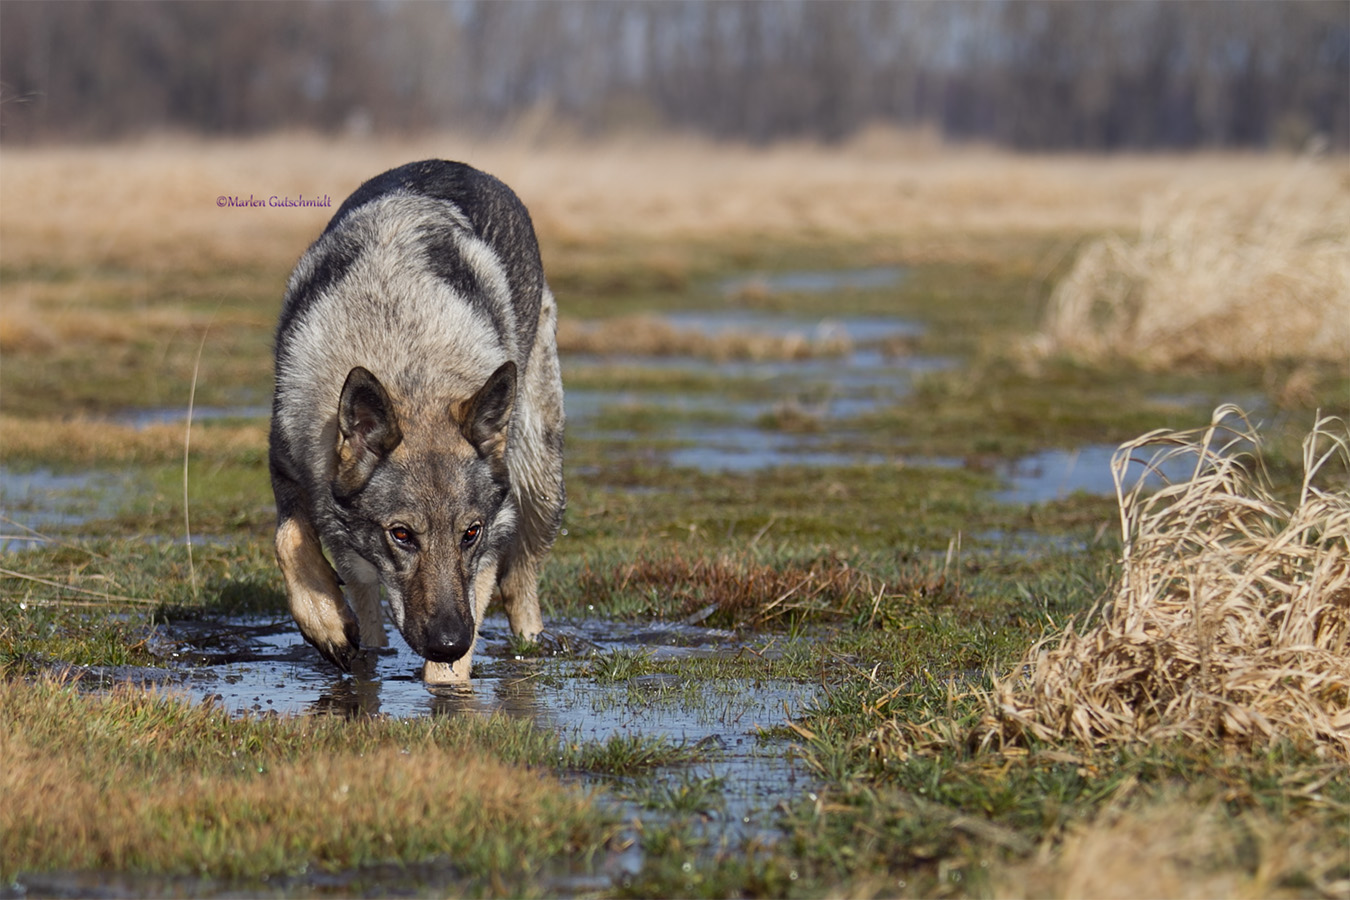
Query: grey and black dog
[[417, 425]]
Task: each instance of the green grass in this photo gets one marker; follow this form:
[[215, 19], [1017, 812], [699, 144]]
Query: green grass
[[624, 754], [135, 782]]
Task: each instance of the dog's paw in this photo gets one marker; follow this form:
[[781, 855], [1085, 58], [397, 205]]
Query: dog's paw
[[341, 650], [551, 643], [365, 664]]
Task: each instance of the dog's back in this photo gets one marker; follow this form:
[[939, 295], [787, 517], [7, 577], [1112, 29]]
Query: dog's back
[[428, 281], [431, 270]]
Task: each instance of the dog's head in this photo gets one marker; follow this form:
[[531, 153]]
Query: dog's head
[[422, 497]]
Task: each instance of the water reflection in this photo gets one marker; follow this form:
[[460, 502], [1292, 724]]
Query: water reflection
[[812, 281]]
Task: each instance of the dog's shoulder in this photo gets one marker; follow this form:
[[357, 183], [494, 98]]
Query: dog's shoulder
[[476, 202]]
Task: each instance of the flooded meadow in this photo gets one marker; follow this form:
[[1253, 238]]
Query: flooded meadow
[[709, 697], [825, 488]]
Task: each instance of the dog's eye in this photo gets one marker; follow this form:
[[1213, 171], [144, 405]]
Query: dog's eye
[[402, 536], [471, 534]]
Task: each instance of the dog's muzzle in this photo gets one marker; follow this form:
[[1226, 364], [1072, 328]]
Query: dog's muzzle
[[445, 642]]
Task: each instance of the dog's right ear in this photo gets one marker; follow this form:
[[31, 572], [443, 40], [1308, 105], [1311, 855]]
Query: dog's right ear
[[484, 417], [367, 431]]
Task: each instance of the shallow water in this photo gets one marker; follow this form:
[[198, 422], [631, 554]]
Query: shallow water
[[172, 415], [813, 281], [36, 501], [727, 448], [857, 329], [829, 389], [1055, 474], [263, 666]]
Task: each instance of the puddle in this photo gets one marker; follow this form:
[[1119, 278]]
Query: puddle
[[830, 389], [36, 501], [746, 449], [856, 329], [813, 282], [1055, 474], [263, 666], [144, 418]]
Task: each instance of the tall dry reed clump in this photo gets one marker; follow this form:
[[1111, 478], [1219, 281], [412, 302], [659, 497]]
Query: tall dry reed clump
[[1222, 275], [1231, 619]]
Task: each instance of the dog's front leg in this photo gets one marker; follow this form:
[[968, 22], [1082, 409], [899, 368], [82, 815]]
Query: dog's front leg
[[363, 591], [520, 596], [314, 594]]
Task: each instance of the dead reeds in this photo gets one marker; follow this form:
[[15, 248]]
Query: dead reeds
[[1224, 274], [1230, 623]]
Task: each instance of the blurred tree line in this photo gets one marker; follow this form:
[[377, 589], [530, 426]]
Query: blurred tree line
[[1139, 74]]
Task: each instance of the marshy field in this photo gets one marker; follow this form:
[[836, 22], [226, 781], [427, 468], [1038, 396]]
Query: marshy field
[[859, 592]]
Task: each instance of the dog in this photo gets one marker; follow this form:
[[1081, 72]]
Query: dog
[[417, 420]]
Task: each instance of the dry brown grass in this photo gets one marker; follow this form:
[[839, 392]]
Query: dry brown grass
[[1230, 623], [131, 781], [1181, 846], [153, 202], [90, 441], [741, 590], [80, 223], [1218, 274], [651, 336], [29, 326]]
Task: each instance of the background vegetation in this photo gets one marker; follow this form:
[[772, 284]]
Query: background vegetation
[[1026, 73]]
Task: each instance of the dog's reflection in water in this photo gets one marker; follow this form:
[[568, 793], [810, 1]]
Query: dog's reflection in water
[[358, 695]]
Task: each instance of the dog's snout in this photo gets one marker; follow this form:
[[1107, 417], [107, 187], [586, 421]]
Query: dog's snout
[[447, 641]]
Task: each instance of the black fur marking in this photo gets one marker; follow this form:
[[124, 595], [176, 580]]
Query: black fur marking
[[327, 273], [495, 212], [444, 261]]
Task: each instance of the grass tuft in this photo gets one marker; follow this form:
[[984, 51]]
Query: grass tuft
[[742, 591], [1230, 623], [133, 781], [628, 754], [1212, 279]]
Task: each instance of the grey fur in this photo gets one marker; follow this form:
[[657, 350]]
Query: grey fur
[[418, 396]]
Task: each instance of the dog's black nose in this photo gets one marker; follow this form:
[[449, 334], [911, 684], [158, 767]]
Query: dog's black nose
[[446, 642]]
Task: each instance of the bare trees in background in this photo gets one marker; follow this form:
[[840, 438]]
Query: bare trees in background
[[1024, 73]]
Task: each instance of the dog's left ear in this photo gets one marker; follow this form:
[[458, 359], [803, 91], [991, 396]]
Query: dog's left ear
[[367, 430], [484, 417]]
